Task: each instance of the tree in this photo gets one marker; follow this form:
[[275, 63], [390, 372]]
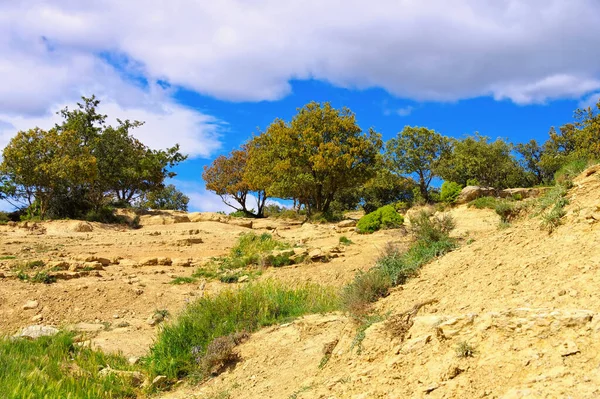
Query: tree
[[167, 198], [386, 188], [319, 153], [476, 159], [532, 153], [37, 163], [82, 164], [227, 177], [417, 151]]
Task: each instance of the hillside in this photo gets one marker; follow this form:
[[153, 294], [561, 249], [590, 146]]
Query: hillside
[[524, 300], [521, 299]]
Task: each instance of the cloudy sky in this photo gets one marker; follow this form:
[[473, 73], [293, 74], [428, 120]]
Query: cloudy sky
[[206, 74]]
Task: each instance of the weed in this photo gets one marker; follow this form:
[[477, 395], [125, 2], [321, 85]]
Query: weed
[[503, 225], [43, 277], [464, 350], [484, 202], [551, 207], [164, 313], [366, 288], [8, 257], [428, 228], [327, 351], [181, 343], [34, 264], [183, 280], [345, 241], [299, 391], [365, 323]]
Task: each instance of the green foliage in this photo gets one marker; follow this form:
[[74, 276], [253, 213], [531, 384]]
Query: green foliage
[[417, 151], [427, 228], [183, 280], [326, 217], [320, 152], [81, 163], [464, 350], [386, 188], [4, 218], [250, 248], [450, 191], [570, 170], [345, 241], [484, 202], [394, 267], [54, 367], [551, 206], [166, 198], [182, 344], [385, 217], [488, 163]]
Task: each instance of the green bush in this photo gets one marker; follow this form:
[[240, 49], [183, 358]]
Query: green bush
[[450, 191], [484, 202], [181, 345], [571, 170], [428, 228], [4, 218], [385, 217]]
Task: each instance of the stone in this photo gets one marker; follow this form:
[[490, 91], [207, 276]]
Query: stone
[[470, 193], [34, 332], [128, 262], [135, 378], [37, 318], [523, 193], [155, 319], [243, 278], [133, 360], [247, 223], [159, 381], [346, 223], [208, 217], [164, 261], [88, 327], [189, 241], [148, 261], [83, 227], [568, 348], [30, 305], [182, 262]]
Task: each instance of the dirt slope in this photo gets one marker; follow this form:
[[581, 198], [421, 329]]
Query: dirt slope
[[526, 301]]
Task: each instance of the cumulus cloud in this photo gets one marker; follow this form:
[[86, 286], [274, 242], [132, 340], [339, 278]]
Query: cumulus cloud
[[526, 51]]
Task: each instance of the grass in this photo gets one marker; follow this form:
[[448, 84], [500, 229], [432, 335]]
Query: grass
[[395, 268], [464, 350], [506, 209], [8, 257], [182, 280], [182, 344], [550, 207], [361, 332], [345, 241], [54, 367]]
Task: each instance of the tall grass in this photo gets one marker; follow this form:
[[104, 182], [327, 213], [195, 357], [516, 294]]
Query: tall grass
[[395, 268], [53, 367], [181, 345]]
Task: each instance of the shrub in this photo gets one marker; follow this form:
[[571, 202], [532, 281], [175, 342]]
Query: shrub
[[571, 170], [555, 199], [464, 350], [427, 228], [345, 241], [43, 277], [182, 343], [450, 191], [183, 280], [505, 210], [220, 354], [484, 202], [385, 217], [366, 288], [4, 218]]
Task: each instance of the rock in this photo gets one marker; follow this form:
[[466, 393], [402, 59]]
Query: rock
[[591, 170], [88, 327], [182, 262], [155, 319], [83, 227], [135, 378], [30, 305], [243, 278], [123, 324], [470, 193], [58, 265], [189, 241], [37, 318], [128, 262], [34, 332], [346, 223], [138, 291], [208, 217], [164, 261], [159, 381], [316, 254], [148, 261], [568, 348], [133, 360], [523, 192], [247, 223]]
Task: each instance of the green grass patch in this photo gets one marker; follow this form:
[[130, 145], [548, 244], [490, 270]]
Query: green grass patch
[[8, 257], [54, 367], [182, 344], [550, 207], [183, 280], [345, 241]]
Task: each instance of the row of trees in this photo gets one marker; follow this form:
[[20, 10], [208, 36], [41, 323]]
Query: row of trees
[[322, 159], [83, 164]]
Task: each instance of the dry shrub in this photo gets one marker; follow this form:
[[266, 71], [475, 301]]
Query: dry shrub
[[220, 353]]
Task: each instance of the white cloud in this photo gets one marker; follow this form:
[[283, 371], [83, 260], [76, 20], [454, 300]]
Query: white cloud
[[525, 51], [405, 111]]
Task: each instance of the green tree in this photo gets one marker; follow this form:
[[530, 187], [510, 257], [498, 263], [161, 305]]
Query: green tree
[[386, 188], [417, 151], [476, 159], [38, 162], [166, 198], [321, 152], [227, 177]]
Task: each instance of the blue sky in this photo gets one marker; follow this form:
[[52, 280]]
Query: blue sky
[[208, 74]]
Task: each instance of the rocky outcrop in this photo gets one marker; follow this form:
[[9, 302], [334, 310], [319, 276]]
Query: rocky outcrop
[[471, 193]]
